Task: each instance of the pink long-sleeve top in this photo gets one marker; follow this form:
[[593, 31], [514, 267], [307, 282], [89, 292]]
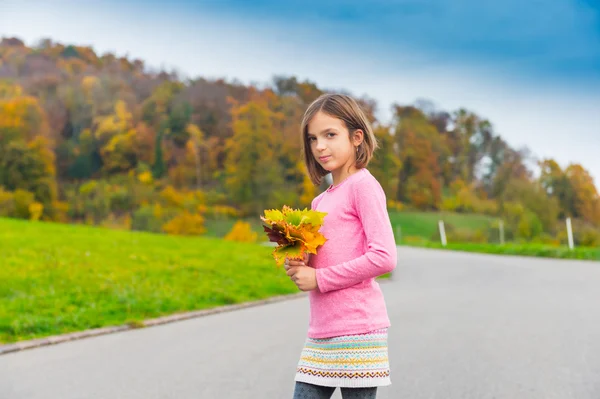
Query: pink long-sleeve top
[[360, 246]]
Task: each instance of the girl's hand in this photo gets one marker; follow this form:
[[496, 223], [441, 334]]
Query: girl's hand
[[304, 276], [293, 263]]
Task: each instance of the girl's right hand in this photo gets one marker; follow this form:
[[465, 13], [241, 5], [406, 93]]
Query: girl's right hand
[[293, 262]]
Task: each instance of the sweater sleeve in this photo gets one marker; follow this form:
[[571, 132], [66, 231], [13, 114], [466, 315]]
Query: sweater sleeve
[[380, 256]]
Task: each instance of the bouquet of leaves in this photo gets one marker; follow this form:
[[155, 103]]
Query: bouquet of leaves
[[295, 231]]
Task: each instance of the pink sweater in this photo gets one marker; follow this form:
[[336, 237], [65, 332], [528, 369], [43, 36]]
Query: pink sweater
[[360, 246]]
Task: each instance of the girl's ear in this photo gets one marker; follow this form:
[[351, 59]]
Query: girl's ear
[[358, 137]]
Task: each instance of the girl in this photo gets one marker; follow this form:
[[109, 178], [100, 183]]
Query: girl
[[347, 335]]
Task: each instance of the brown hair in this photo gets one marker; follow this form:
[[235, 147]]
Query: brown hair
[[347, 109]]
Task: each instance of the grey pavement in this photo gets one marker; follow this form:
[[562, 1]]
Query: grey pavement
[[464, 326]]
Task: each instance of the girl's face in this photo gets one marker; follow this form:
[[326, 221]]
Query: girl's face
[[331, 146]]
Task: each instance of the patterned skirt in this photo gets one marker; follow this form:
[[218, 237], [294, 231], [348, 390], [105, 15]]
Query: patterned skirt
[[350, 361]]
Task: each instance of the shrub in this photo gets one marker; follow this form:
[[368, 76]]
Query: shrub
[[242, 231], [35, 210], [185, 223]]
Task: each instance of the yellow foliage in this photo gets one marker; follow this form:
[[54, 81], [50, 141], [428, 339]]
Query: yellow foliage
[[172, 197], [157, 211], [222, 210], [241, 231], [120, 152], [145, 177], [7, 202], [35, 211], [194, 132], [89, 83], [22, 200], [309, 191], [185, 224], [88, 187], [119, 122], [8, 90], [395, 205], [466, 199], [23, 114]]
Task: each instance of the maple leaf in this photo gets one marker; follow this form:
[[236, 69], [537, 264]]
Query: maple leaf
[[295, 231]]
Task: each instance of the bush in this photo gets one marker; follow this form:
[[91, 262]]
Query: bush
[[395, 205], [222, 211], [242, 231], [589, 237], [35, 211], [23, 199], [466, 199], [120, 199], [7, 203], [185, 223], [148, 218]]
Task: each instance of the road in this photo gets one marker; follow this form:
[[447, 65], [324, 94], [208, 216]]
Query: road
[[464, 326]]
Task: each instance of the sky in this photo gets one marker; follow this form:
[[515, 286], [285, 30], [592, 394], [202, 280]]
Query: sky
[[532, 68]]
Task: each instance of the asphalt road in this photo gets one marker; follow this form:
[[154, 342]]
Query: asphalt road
[[464, 326]]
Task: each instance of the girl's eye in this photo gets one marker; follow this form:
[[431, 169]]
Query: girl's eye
[[311, 139], [330, 134]]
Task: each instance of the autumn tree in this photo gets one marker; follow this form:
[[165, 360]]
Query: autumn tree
[[419, 146], [385, 164], [253, 177]]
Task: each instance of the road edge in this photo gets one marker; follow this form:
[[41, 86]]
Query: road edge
[[95, 332]]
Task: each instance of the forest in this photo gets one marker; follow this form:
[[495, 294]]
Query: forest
[[104, 140]]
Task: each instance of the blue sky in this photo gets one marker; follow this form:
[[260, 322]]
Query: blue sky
[[531, 67]]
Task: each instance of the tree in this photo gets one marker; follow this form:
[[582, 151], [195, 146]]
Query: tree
[[385, 164], [586, 203], [420, 148], [557, 185], [469, 141], [253, 176], [29, 166], [197, 143]]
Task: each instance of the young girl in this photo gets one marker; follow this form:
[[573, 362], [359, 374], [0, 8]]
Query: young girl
[[347, 335]]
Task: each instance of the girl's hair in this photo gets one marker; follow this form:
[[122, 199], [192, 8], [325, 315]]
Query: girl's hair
[[347, 109]]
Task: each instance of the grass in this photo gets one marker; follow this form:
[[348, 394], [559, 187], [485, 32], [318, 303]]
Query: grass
[[57, 278], [416, 224], [417, 228], [539, 250], [62, 278], [425, 224]]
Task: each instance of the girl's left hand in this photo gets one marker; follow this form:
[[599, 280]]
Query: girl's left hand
[[304, 277]]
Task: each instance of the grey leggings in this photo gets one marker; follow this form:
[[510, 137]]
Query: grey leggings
[[309, 391]]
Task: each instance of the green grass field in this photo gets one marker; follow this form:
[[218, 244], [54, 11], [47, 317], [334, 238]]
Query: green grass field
[[425, 224], [57, 278], [415, 224], [61, 278], [540, 250]]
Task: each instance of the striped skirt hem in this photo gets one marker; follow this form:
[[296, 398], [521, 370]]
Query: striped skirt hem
[[351, 361]]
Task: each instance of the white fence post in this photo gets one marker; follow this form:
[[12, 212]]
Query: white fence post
[[570, 234], [442, 232]]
